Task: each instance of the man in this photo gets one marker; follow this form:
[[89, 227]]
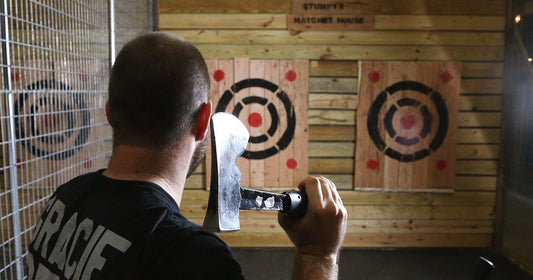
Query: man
[[124, 222]]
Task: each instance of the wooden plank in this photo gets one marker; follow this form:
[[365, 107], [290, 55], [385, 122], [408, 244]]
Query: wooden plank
[[239, 239], [335, 149], [272, 164], [242, 72], [334, 52], [421, 212], [345, 166], [483, 119], [299, 23], [330, 117], [348, 68], [434, 7], [333, 85], [345, 182], [435, 22], [484, 86], [480, 103], [476, 183], [347, 117], [348, 85], [374, 212], [178, 21], [477, 167], [196, 181], [378, 226], [350, 101], [333, 68], [224, 6], [332, 101], [489, 151], [331, 165], [347, 149], [318, 37], [330, 7], [347, 133], [331, 133], [440, 7]]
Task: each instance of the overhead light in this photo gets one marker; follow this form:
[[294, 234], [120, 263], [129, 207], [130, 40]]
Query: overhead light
[[530, 59], [517, 19]]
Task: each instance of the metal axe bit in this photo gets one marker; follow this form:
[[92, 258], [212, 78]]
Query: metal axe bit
[[229, 138]]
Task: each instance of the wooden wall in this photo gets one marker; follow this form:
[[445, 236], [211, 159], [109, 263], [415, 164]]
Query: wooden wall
[[468, 31]]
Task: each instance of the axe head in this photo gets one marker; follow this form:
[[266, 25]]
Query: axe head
[[229, 138]]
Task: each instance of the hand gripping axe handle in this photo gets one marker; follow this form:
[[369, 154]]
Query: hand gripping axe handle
[[229, 138]]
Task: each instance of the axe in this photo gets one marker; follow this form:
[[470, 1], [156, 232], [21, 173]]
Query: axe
[[229, 138]]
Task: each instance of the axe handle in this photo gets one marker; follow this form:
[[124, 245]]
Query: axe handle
[[295, 204]]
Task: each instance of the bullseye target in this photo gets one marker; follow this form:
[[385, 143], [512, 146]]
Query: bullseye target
[[255, 119], [407, 125], [270, 97], [51, 122], [408, 120]]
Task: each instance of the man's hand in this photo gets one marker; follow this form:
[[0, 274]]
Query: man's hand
[[319, 234]]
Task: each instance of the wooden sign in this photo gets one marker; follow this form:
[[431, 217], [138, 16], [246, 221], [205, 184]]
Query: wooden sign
[[330, 7], [329, 23], [271, 98], [407, 125], [329, 15]]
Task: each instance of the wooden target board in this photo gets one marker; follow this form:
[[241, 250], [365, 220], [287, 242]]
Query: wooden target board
[[55, 119], [271, 98], [407, 125]]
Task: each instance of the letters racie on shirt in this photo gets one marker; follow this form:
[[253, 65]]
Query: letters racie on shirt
[[89, 240], [95, 227]]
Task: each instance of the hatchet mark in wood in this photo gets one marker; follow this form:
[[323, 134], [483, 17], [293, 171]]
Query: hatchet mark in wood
[[229, 138]]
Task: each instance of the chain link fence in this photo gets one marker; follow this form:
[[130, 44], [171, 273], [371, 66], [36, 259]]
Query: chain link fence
[[55, 59]]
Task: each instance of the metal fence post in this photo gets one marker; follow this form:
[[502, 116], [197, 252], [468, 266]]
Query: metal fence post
[[13, 176], [111, 33]]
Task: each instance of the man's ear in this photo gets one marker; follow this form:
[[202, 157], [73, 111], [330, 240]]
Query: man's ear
[[108, 113], [202, 123]]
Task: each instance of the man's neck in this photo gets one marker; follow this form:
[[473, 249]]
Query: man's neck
[[168, 169]]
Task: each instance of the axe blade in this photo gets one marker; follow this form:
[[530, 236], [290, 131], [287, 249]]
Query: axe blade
[[229, 138]]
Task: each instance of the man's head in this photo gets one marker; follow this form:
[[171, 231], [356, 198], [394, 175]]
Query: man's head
[[157, 86]]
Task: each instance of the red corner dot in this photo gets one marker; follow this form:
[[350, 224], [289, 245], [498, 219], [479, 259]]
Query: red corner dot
[[88, 164], [219, 75], [445, 76], [441, 164], [83, 77], [290, 75], [15, 76], [292, 163], [20, 164], [374, 76], [372, 164], [255, 119]]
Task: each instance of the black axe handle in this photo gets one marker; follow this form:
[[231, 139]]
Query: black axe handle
[[292, 203], [295, 204]]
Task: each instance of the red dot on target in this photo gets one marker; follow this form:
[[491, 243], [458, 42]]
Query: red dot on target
[[292, 163], [445, 76], [374, 76], [372, 164], [219, 75], [15, 76], [255, 119], [290, 75], [441, 164], [83, 77], [88, 164]]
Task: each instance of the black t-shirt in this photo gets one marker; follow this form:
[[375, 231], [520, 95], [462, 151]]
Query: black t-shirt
[[95, 227]]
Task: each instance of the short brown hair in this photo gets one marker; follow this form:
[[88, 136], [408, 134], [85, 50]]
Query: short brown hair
[[157, 85]]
